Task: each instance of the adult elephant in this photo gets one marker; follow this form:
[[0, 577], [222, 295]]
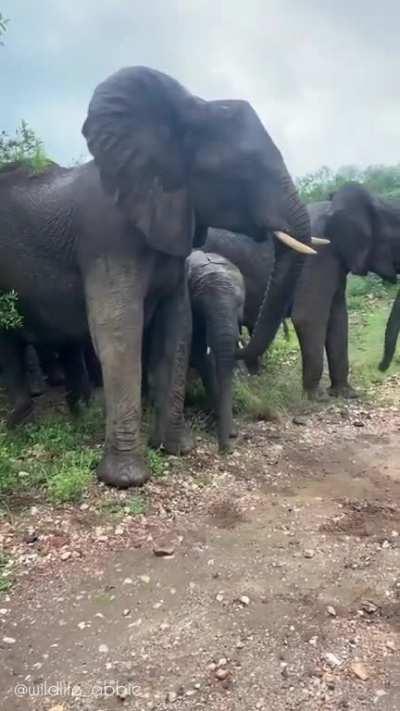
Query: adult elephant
[[362, 230], [391, 334], [105, 243]]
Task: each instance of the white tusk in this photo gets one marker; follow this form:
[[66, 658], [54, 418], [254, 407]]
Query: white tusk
[[294, 243], [320, 240]]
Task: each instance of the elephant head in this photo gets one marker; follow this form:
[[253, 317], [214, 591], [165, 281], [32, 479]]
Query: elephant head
[[177, 164], [358, 229], [391, 334]]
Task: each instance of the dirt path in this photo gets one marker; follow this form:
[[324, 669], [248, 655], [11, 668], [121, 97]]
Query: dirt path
[[283, 591]]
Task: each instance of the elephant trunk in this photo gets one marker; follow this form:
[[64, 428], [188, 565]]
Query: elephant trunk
[[391, 334], [223, 335], [280, 287]]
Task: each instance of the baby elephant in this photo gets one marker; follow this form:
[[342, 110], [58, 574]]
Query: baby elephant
[[217, 294]]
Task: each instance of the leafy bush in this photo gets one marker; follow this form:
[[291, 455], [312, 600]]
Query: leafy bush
[[380, 179], [24, 148], [10, 317]]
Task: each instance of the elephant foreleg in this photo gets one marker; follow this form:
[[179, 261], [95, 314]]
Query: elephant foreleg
[[115, 297], [337, 345], [310, 315]]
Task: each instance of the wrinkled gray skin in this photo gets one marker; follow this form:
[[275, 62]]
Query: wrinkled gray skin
[[103, 245], [361, 229], [256, 263], [217, 295]]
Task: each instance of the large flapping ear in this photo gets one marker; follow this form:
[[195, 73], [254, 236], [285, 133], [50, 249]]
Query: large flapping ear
[[133, 132]]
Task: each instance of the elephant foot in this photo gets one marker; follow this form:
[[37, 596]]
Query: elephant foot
[[20, 414], [179, 446], [225, 447], [253, 366], [122, 470], [316, 394], [344, 391]]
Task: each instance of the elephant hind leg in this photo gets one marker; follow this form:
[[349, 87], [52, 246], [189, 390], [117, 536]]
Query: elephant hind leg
[[77, 382], [12, 360]]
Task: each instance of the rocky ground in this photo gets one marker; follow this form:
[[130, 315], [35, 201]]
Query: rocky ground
[[269, 579]]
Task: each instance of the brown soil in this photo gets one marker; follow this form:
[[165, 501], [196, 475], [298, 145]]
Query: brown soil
[[283, 591]]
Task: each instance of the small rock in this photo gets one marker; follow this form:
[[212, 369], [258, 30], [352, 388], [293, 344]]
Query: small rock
[[65, 555], [332, 660], [222, 674], [239, 645], [171, 697], [358, 423], [163, 551], [83, 625], [244, 600], [84, 507], [30, 536], [390, 644], [219, 597], [369, 607], [330, 681], [359, 670], [386, 544], [126, 612], [9, 640], [309, 553], [128, 581], [118, 531], [34, 510], [145, 579], [331, 611], [57, 707], [103, 649], [222, 662], [302, 421]]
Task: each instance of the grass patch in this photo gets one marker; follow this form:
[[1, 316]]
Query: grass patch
[[54, 458]]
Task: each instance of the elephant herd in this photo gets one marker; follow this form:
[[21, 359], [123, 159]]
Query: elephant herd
[[185, 227]]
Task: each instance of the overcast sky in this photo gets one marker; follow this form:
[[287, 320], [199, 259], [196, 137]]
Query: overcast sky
[[324, 75]]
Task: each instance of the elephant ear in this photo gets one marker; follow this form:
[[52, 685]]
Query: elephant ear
[[132, 130]]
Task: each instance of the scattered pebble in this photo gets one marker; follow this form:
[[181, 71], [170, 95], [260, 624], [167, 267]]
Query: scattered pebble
[[309, 553], [103, 649], [163, 551], [390, 644], [222, 674], [9, 640], [145, 579], [331, 611], [332, 660], [359, 670], [65, 555], [369, 607], [244, 600]]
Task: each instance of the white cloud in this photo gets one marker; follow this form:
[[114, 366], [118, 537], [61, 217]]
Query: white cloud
[[324, 76]]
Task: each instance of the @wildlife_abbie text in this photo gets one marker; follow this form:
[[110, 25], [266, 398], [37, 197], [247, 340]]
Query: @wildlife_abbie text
[[97, 690]]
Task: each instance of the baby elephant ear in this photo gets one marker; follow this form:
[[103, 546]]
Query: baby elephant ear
[[132, 131]]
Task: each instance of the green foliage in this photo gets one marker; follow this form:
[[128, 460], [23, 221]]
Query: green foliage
[[54, 458], [10, 317], [23, 148], [156, 463], [380, 179], [137, 505]]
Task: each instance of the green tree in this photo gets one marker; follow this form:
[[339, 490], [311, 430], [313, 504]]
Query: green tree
[[23, 148], [380, 179]]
